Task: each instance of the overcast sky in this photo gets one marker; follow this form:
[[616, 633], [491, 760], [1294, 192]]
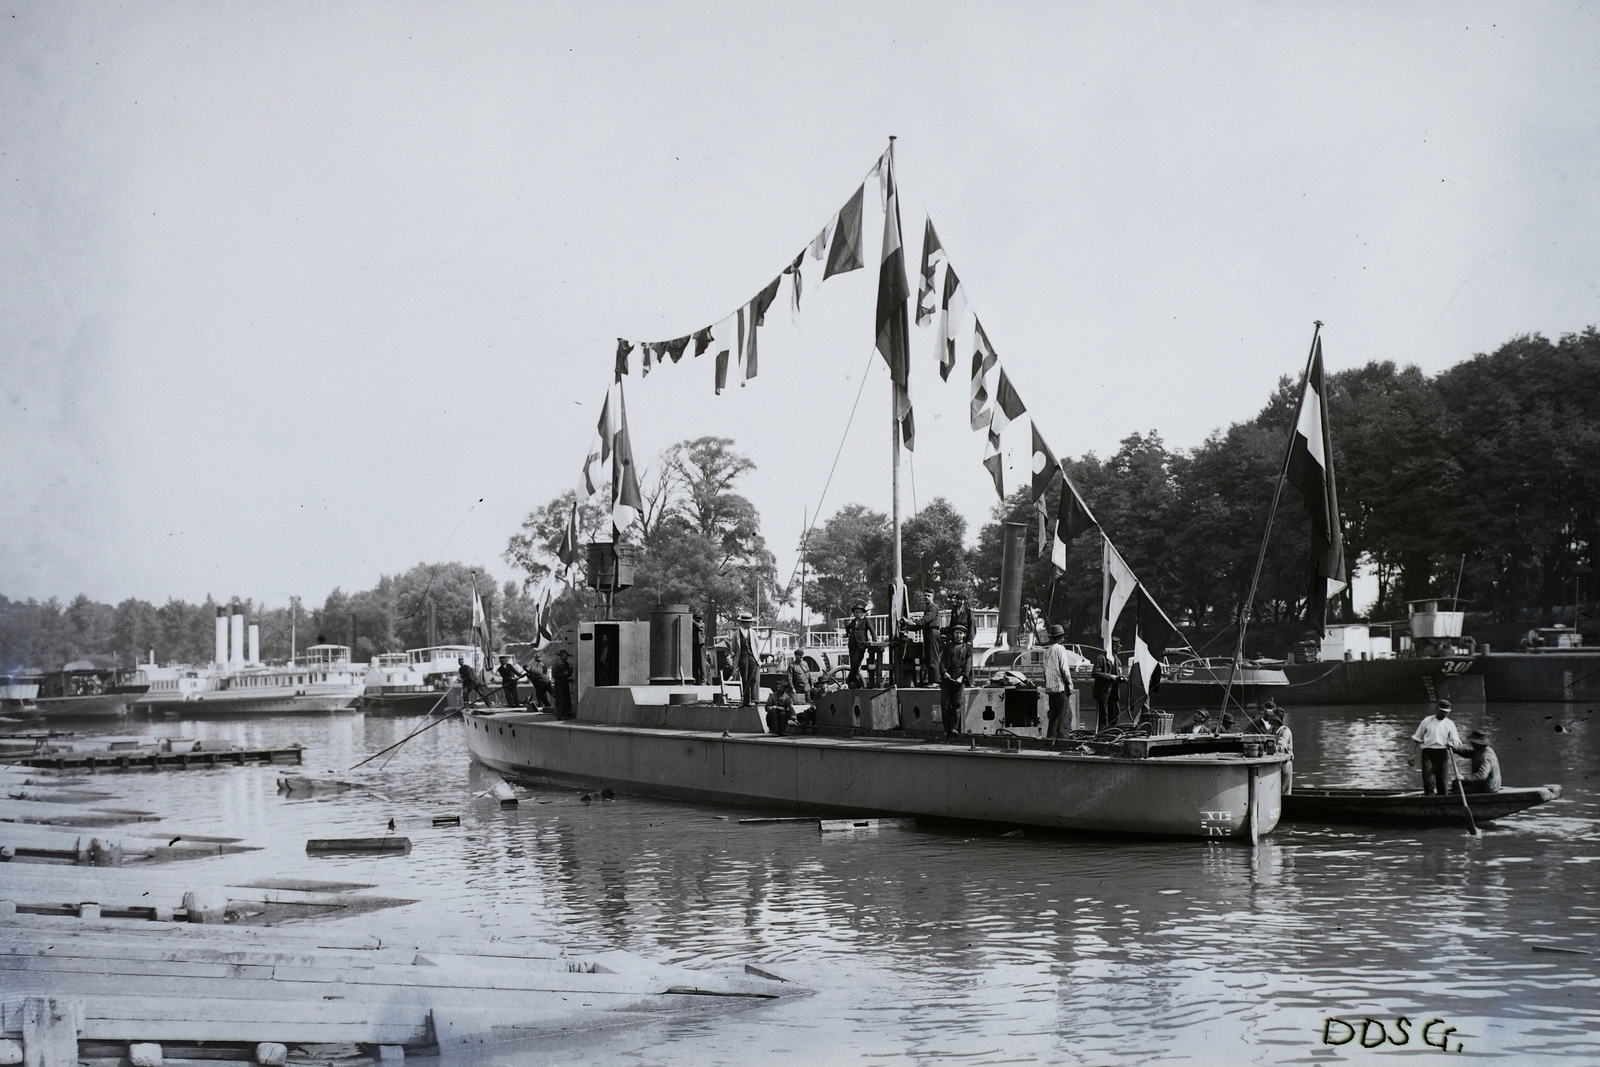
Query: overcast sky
[[300, 294]]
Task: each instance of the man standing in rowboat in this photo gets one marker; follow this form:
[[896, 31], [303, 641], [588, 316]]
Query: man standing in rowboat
[[1435, 738]]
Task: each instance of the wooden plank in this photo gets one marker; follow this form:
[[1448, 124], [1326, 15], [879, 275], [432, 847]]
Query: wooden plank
[[102, 951], [341, 937], [41, 811]]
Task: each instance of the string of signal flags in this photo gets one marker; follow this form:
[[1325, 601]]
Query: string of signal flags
[[733, 343]]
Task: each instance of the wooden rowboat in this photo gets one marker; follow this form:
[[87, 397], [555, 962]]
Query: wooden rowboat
[[1391, 806]]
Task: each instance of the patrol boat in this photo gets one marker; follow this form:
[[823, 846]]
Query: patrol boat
[[642, 726]]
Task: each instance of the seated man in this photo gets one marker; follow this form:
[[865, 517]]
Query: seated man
[[1484, 777], [1202, 723], [780, 708]]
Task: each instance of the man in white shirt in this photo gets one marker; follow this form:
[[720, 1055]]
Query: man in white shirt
[[1435, 739], [1278, 724], [1057, 678]]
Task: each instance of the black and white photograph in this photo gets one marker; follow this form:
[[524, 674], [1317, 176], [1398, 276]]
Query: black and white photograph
[[707, 533]]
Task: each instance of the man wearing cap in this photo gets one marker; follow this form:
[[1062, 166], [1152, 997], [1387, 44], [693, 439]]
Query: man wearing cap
[[1484, 776], [1108, 685], [799, 677], [470, 689], [508, 681], [561, 675], [1435, 739], [1057, 678], [1277, 723], [742, 650], [697, 648], [926, 623], [543, 689], [961, 614], [859, 637], [955, 664]]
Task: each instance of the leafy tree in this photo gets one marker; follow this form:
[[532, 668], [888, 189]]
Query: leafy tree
[[845, 560]]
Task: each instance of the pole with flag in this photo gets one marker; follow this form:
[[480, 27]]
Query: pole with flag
[[1308, 465], [894, 344]]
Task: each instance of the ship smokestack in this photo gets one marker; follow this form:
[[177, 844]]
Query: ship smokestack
[[222, 636], [236, 638], [255, 644], [1013, 560]]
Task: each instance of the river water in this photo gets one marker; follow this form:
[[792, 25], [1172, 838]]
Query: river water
[[941, 945]]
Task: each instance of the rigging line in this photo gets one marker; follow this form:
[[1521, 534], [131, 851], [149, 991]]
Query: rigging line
[[842, 438], [423, 596]]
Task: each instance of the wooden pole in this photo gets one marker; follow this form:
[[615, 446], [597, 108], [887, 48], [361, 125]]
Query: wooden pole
[[1266, 535]]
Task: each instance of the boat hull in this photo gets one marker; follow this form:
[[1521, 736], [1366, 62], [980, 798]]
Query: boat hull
[[1409, 680], [223, 703], [1537, 677], [444, 703], [99, 706], [1382, 806], [1185, 796]]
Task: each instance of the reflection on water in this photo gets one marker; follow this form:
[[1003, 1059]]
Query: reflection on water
[[940, 944]]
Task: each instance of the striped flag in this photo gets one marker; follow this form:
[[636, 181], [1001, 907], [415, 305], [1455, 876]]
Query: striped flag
[[983, 361], [626, 502], [1072, 519], [951, 309], [1310, 470], [894, 341], [1116, 586], [932, 256]]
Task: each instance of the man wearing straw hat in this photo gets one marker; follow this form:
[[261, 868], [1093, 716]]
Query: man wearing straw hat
[[1484, 774], [742, 650], [1057, 678]]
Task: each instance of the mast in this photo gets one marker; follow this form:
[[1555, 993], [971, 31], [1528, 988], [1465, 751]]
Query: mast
[[894, 439], [805, 533], [1266, 535]]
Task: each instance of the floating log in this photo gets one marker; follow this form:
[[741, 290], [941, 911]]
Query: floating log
[[160, 761], [830, 826], [359, 844]]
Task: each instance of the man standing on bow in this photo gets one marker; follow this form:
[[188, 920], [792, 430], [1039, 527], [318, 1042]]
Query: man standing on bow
[[859, 638], [1108, 686], [742, 650], [955, 666], [1435, 739], [1057, 678]]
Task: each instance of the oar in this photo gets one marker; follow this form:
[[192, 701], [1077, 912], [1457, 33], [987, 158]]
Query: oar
[[408, 737], [1462, 789]]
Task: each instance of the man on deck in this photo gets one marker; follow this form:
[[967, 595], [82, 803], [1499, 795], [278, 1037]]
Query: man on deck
[[742, 650], [561, 675], [927, 624], [955, 665], [860, 639], [543, 689], [470, 689], [961, 614], [799, 677], [1057, 677], [508, 681], [1276, 722], [1108, 686], [697, 649], [1435, 739], [1484, 776]]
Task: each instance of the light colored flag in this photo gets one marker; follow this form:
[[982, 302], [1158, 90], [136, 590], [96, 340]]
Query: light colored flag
[[1310, 470], [1116, 586], [984, 360], [951, 311]]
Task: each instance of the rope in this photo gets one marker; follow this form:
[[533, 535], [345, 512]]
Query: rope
[[842, 437]]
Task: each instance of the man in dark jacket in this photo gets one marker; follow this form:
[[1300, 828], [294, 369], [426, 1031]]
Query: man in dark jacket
[[926, 623], [562, 675], [470, 689], [799, 677], [543, 690], [697, 649], [960, 614], [955, 667], [508, 681], [1108, 685], [860, 639], [742, 650]]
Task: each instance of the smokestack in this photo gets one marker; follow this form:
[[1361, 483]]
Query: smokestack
[[255, 644], [222, 636], [433, 626], [236, 638], [1013, 560]]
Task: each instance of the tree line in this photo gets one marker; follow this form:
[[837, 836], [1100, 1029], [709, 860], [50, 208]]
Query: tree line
[[1482, 479]]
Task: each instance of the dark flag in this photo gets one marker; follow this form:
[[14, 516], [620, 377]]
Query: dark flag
[[932, 256], [674, 348], [1008, 406], [567, 553], [623, 348], [894, 340], [1072, 519], [1045, 467], [1153, 634], [844, 249], [702, 340], [1310, 470], [794, 289]]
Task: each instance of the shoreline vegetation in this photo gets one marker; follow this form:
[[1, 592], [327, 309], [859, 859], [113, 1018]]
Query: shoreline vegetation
[[1485, 475]]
